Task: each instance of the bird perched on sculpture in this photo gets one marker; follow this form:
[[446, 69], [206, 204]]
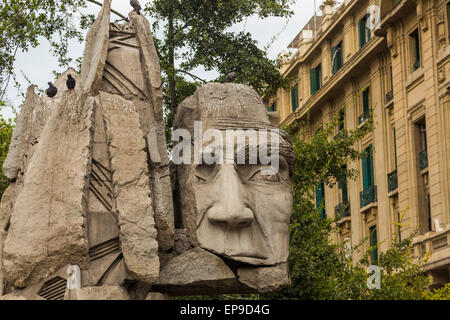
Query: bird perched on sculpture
[[231, 77], [51, 91], [136, 6], [71, 82]]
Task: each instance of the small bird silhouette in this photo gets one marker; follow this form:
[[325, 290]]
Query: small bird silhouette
[[71, 82], [51, 91], [231, 77], [136, 6]]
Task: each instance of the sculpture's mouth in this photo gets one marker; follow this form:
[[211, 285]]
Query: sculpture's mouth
[[248, 255]]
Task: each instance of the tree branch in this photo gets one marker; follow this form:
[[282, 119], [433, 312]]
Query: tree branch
[[192, 75], [112, 10]]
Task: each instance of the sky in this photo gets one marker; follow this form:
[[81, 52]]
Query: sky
[[38, 63]]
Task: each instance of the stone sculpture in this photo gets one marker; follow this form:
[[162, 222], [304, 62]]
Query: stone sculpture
[[92, 188]]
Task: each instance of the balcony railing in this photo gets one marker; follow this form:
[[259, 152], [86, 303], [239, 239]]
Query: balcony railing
[[368, 196], [342, 210], [389, 96], [423, 160], [392, 181], [364, 117]]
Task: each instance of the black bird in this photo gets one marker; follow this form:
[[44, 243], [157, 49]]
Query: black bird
[[231, 77], [51, 91], [136, 6], [71, 83]]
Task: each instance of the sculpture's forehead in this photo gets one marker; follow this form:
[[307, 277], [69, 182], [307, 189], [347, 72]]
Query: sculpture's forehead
[[231, 105]]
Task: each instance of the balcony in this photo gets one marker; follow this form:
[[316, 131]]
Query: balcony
[[342, 210], [368, 196], [363, 117], [389, 96], [392, 181], [423, 160]]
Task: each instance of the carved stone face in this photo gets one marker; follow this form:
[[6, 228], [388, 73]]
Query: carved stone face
[[236, 210]]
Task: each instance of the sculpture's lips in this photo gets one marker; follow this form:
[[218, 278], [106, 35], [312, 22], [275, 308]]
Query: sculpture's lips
[[248, 255]]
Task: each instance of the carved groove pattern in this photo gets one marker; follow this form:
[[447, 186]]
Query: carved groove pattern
[[101, 184], [103, 249], [53, 289]]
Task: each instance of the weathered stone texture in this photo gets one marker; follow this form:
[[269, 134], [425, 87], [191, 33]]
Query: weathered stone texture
[[48, 220], [98, 293], [132, 187], [266, 279], [96, 50], [196, 271]]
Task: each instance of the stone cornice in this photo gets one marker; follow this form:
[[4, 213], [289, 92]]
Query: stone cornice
[[341, 76]]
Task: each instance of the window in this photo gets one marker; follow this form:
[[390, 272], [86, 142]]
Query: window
[[367, 167], [364, 31], [366, 106], [390, 86], [273, 107], [316, 79], [320, 199], [336, 58], [373, 245], [430, 227], [423, 143], [448, 20], [341, 125], [294, 98], [342, 185], [415, 49]]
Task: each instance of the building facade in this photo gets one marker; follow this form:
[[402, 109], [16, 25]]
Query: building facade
[[389, 59]]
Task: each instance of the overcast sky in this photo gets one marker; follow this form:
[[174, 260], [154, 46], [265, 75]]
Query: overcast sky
[[38, 64]]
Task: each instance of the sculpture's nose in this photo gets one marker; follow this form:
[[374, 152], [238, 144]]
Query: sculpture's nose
[[231, 211]]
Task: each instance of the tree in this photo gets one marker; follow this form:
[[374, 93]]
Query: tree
[[319, 268], [24, 23], [196, 34], [6, 130]]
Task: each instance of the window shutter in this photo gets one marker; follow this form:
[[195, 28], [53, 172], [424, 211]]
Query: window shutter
[[370, 163], [334, 60], [366, 106], [365, 173], [320, 199], [374, 243], [367, 28], [362, 32], [294, 98], [313, 81]]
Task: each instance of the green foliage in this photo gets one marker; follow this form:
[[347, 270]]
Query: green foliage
[[25, 23], [196, 34], [6, 130], [319, 269]]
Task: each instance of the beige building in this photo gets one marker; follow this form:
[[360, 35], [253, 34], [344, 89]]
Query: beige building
[[390, 58]]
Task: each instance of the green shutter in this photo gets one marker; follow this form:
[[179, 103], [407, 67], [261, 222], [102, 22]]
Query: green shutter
[[333, 60], [294, 98], [339, 58], [448, 19], [362, 32], [320, 199], [368, 32], [374, 244], [417, 50], [366, 102], [371, 173], [364, 171], [313, 80], [367, 166]]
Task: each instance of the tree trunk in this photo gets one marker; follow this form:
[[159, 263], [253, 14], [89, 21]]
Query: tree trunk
[[171, 68]]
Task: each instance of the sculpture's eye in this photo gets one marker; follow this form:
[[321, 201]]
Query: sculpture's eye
[[205, 172], [266, 174]]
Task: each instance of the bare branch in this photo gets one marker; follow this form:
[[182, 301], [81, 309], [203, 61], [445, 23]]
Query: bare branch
[[192, 75], [112, 10]]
